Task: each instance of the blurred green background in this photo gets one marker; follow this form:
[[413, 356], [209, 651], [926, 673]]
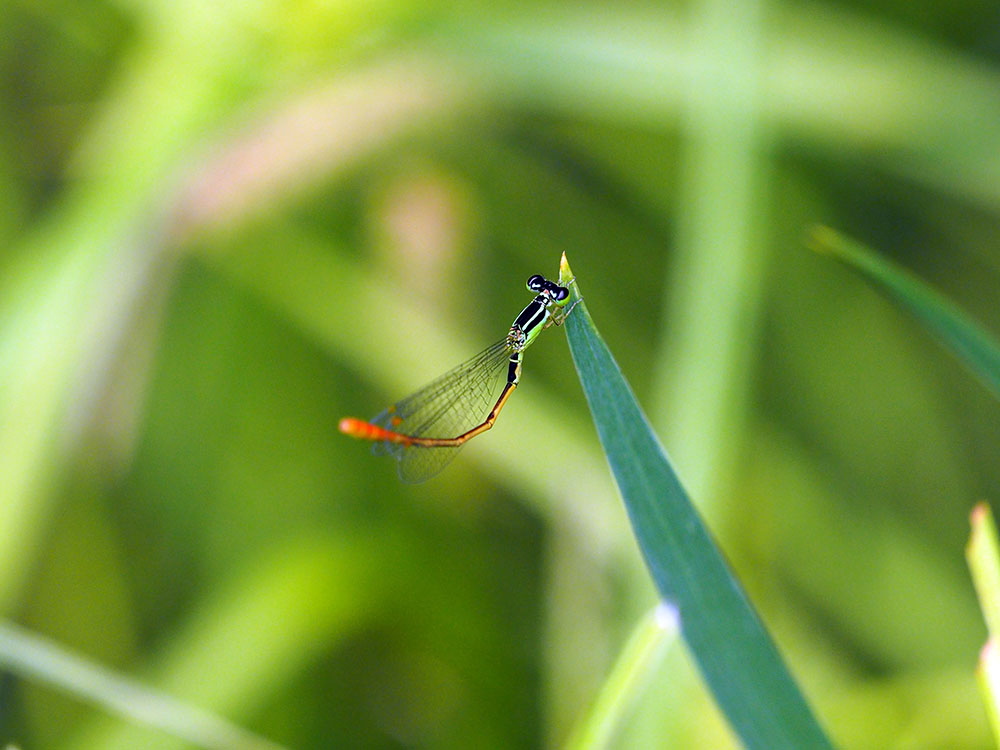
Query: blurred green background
[[225, 225]]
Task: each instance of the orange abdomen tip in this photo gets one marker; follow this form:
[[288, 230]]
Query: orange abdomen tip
[[354, 427]]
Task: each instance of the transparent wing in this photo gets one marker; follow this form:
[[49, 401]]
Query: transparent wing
[[449, 406]]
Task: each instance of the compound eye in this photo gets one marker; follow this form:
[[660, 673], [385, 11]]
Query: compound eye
[[536, 283], [561, 293]]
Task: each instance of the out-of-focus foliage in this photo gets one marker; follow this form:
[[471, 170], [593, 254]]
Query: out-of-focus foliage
[[983, 555], [225, 225], [953, 328]]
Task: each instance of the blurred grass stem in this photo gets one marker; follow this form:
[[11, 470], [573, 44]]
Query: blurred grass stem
[[35, 658], [641, 655]]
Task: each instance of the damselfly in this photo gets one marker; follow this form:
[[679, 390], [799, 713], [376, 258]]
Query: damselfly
[[426, 430]]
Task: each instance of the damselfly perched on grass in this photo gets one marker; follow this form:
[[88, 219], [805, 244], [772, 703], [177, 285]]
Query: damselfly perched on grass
[[425, 431]]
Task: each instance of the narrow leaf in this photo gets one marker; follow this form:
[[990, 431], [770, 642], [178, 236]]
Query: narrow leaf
[[736, 656], [956, 330], [988, 676], [636, 663], [983, 555], [38, 658]]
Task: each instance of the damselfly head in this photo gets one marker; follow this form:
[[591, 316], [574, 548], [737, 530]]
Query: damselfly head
[[555, 293]]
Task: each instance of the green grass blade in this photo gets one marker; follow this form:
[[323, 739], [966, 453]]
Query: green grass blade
[[737, 657], [642, 654], [38, 658], [983, 556], [988, 677], [956, 330]]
